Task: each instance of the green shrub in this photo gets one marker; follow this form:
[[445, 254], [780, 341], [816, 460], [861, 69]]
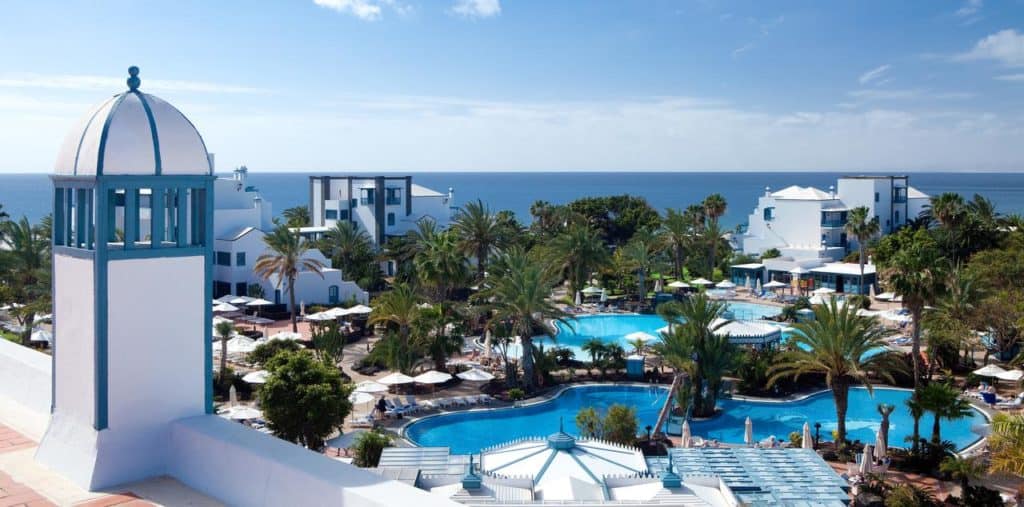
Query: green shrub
[[264, 351], [620, 424], [589, 423], [516, 394], [368, 448]]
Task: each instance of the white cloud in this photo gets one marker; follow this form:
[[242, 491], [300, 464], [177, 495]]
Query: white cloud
[[477, 8], [742, 49], [873, 74], [106, 83], [1005, 46], [1011, 77], [970, 8], [367, 10], [873, 94]]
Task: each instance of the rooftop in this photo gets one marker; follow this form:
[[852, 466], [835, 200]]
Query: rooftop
[[798, 193]]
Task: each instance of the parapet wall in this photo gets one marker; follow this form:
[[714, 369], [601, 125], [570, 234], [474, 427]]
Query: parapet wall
[[25, 377]]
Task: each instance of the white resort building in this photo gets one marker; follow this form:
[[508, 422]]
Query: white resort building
[[383, 206], [240, 221], [807, 226]]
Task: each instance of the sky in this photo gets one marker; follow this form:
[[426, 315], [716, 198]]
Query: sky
[[535, 85]]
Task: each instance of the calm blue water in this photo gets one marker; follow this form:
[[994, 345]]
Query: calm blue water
[[468, 432], [30, 194]]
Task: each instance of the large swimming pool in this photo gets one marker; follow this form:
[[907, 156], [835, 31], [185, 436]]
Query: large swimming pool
[[468, 432]]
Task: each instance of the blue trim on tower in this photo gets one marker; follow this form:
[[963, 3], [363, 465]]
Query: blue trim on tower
[[101, 310], [78, 150], [106, 130], [208, 293], [152, 129]]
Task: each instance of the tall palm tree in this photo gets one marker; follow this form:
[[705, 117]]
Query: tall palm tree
[[478, 232], [297, 216], [638, 344], [579, 251], [518, 293], [944, 402], [397, 307], [286, 259], [640, 257], [690, 346], [916, 410], [676, 232], [916, 271], [597, 349], [834, 344], [957, 309], [1006, 444], [28, 253], [714, 207], [347, 245], [224, 331], [863, 228], [885, 410], [442, 265]]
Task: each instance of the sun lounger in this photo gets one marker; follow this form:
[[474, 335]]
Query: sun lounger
[[460, 401], [364, 421], [410, 401], [393, 410], [406, 407], [485, 399], [1014, 403]]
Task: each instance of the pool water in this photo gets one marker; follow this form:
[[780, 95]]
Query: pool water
[[468, 432]]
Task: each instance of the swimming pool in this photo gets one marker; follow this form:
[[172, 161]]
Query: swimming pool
[[468, 432]]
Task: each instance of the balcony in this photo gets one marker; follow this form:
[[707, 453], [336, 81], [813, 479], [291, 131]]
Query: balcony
[[833, 222], [392, 201]]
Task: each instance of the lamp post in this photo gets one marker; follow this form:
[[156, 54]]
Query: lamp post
[[817, 435]]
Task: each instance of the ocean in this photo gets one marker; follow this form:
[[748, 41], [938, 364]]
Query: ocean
[[29, 194]]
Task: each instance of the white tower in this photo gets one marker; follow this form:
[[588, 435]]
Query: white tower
[[131, 307]]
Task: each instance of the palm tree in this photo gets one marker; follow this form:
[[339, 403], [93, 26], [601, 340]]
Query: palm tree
[[224, 330], [916, 410], [676, 233], [442, 265], [861, 227], [916, 272], [963, 470], [639, 256], [1006, 444], [518, 293], [834, 344], [478, 232], [957, 309], [432, 336], [944, 402], [579, 251], [638, 344], [690, 346], [597, 349], [885, 410], [28, 252], [398, 307], [717, 357], [714, 207], [297, 216], [284, 260], [347, 245]]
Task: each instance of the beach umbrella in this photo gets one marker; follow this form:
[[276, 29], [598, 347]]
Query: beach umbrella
[[807, 442], [320, 317], [1011, 375], [591, 290], [748, 432], [871, 291], [725, 284], [432, 377], [475, 375], [746, 282], [358, 310], [774, 284], [640, 335], [242, 413], [657, 285], [225, 308], [285, 335], [865, 460], [42, 335], [701, 281], [396, 378], [687, 438], [359, 397], [488, 343], [256, 377], [881, 447], [579, 298], [240, 345], [757, 287], [217, 319], [258, 302], [822, 291], [679, 285], [302, 308], [990, 370], [369, 386], [232, 396]]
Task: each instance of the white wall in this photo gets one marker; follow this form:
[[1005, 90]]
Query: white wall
[[241, 466], [74, 337], [25, 376]]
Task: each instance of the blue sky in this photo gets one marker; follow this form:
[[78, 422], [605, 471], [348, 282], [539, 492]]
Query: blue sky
[[506, 85]]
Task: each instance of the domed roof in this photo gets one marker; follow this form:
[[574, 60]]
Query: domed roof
[[133, 133]]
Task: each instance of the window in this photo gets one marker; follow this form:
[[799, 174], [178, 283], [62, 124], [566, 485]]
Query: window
[[769, 214], [897, 217], [343, 214], [391, 219], [367, 196], [221, 289], [393, 196], [331, 214], [240, 260], [224, 259], [332, 294], [355, 202], [241, 289], [876, 196]]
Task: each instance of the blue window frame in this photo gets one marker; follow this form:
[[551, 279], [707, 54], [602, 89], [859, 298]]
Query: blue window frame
[[355, 202], [367, 196], [331, 214], [769, 214], [240, 259], [876, 196], [393, 197], [241, 289], [391, 219], [343, 214], [332, 294], [223, 258]]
